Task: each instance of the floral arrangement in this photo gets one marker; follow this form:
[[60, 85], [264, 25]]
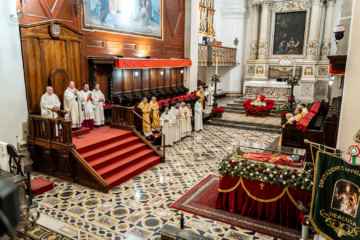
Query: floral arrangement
[[215, 78], [270, 174], [304, 212], [283, 117], [218, 112], [262, 97], [256, 110], [285, 106], [293, 80]]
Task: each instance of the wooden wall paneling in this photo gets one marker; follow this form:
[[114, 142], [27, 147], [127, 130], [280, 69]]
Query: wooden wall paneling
[[161, 78], [136, 76], [154, 75], [145, 79], [167, 74], [174, 76], [101, 75], [118, 81], [59, 79], [75, 61], [128, 80], [180, 77]]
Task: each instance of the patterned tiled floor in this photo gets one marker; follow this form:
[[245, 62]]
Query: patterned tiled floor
[[138, 208], [250, 119]]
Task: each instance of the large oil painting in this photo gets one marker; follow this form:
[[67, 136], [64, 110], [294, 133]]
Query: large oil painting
[[289, 33], [134, 17]]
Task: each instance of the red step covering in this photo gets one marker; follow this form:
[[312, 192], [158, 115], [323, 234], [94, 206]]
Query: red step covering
[[40, 185], [151, 63], [116, 155], [83, 131]]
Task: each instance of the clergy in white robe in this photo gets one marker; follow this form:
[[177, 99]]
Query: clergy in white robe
[[49, 100], [72, 104], [176, 127], [211, 94], [183, 125], [87, 106], [198, 116], [98, 100], [188, 120], [167, 121]]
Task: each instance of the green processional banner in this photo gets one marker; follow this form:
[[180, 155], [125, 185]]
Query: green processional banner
[[335, 200]]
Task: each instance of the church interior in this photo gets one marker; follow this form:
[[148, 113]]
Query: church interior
[[179, 119]]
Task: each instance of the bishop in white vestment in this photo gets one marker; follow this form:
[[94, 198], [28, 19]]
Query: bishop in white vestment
[[176, 127], [183, 126], [49, 100], [88, 107], [98, 102], [167, 121], [72, 104], [188, 120], [198, 116]]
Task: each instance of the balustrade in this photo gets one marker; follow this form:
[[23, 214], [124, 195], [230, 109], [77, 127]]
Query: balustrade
[[207, 55], [122, 117]]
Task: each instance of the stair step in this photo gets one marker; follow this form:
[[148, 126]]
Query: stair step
[[83, 131], [98, 162], [105, 142], [129, 172], [110, 168], [106, 149]]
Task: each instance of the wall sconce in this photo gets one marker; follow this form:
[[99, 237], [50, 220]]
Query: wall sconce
[[181, 71], [162, 72], [339, 33], [331, 80], [136, 73]]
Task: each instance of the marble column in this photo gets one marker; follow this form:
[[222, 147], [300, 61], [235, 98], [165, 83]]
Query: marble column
[[264, 30], [312, 50], [255, 32], [326, 43]]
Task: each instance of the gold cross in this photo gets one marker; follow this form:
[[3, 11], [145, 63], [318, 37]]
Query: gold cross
[[262, 185]]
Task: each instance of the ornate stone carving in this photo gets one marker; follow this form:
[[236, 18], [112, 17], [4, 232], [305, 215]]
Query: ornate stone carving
[[323, 70], [325, 49], [256, 6], [320, 89], [306, 90], [312, 48], [274, 89], [259, 69], [251, 68], [263, 49], [253, 50], [291, 6], [308, 70]]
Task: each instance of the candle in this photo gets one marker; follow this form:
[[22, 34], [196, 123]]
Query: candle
[[294, 67], [216, 69]]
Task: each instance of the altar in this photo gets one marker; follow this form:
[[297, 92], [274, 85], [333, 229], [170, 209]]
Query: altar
[[277, 90]]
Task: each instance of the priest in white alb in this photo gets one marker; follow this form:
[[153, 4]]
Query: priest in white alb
[[72, 104], [183, 126], [98, 100], [88, 107], [198, 115], [167, 121], [188, 120], [49, 101], [176, 127]]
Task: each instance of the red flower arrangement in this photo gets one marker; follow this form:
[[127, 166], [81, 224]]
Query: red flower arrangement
[[255, 110], [283, 117], [218, 112]]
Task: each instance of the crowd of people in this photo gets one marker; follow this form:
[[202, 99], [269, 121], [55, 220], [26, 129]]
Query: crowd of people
[[298, 114], [84, 108], [175, 122]]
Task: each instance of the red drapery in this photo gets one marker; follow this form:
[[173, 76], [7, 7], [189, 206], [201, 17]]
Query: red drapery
[[260, 200], [151, 63]]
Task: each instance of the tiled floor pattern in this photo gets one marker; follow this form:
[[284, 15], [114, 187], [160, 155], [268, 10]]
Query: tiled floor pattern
[[138, 208], [250, 119]]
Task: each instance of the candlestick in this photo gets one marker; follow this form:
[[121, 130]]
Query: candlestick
[[294, 67], [217, 62]]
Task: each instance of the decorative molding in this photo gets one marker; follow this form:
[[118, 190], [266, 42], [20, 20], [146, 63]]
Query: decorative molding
[[260, 70], [251, 68], [308, 71], [291, 6], [312, 48], [323, 70], [253, 49], [325, 49], [306, 90], [320, 89], [263, 49]]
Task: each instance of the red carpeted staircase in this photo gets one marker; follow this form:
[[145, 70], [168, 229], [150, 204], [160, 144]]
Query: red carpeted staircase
[[116, 155]]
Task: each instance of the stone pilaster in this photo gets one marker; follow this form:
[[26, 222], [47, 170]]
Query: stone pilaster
[[264, 30], [326, 43], [312, 49], [254, 32]]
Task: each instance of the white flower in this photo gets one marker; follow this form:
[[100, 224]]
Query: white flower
[[293, 176], [232, 172], [281, 176], [257, 173], [294, 184], [271, 175], [241, 172], [252, 165], [306, 180], [265, 178], [268, 169], [248, 167], [275, 172], [302, 187], [251, 174], [228, 164], [311, 183], [284, 182]]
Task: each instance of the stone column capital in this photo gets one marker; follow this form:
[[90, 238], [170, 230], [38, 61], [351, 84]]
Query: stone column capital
[[318, 2], [330, 2], [256, 6], [265, 3]]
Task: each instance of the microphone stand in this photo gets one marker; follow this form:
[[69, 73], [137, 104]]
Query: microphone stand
[[79, 136]]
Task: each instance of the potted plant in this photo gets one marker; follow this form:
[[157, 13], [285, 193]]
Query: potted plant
[[218, 112], [215, 79], [283, 117]]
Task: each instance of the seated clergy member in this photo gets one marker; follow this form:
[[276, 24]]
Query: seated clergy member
[[183, 112], [72, 104], [304, 110], [86, 101], [176, 127], [49, 100], [146, 110], [201, 95], [198, 115], [298, 115], [188, 120], [167, 121], [290, 118], [98, 100], [155, 112]]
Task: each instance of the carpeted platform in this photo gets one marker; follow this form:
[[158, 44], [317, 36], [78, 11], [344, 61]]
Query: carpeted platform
[[116, 155], [200, 200]]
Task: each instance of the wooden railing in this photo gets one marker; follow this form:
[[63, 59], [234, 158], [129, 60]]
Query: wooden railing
[[147, 142], [122, 118], [50, 130], [208, 53]]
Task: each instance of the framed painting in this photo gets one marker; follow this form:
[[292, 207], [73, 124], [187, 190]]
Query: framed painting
[[289, 33], [133, 17]]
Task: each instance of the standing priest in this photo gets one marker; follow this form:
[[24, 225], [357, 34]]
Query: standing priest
[[183, 126], [155, 112], [201, 95], [98, 102], [176, 127], [198, 115], [72, 104], [146, 110], [86, 101], [49, 100], [167, 122]]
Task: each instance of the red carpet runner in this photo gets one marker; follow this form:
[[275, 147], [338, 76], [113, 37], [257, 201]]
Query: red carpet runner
[[116, 155]]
